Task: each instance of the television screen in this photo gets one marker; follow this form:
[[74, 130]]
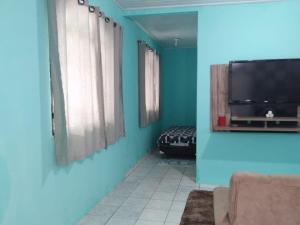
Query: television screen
[[264, 81]]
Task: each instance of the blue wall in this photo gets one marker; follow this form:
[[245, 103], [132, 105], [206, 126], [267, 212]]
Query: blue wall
[[34, 190], [179, 86], [233, 32]]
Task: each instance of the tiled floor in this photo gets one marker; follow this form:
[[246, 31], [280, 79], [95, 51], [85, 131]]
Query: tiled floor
[[154, 193]]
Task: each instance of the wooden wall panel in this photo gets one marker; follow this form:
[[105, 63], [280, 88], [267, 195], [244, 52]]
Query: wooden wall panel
[[298, 115], [214, 97], [219, 94], [220, 106]]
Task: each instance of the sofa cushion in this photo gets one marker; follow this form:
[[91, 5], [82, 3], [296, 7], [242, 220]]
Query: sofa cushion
[[264, 200]]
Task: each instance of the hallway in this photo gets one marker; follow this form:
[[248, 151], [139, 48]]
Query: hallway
[[154, 193]]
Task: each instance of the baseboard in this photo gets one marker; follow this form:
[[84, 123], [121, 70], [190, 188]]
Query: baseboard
[[208, 187]]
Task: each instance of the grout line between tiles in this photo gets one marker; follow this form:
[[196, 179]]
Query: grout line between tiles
[[149, 198], [153, 165], [173, 199]]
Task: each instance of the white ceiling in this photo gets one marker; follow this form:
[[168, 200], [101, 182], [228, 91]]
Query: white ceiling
[[165, 28], [143, 4]]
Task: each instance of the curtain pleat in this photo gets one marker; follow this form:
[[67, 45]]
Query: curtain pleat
[[97, 103], [119, 111], [108, 79], [57, 31], [156, 86], [142, 84], [85, 78], [77, 83]]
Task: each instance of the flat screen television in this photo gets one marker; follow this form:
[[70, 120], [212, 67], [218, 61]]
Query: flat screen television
[[264, 82]]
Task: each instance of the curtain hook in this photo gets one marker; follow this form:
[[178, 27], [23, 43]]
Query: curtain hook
[[91, 8], [81, 2], [107, 20]]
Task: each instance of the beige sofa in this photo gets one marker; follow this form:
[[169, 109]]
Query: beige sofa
[[254, 199]]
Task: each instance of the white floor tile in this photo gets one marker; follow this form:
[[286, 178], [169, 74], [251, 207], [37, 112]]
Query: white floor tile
[[164, 196], [174, 217], [128, 185], [145, 222], [121, 222], [151, 186], [167, 187], [167, 181], [132, 178], [178, 206], [113, 200], [181, 168], [148, 163], [128, 213], [155, 174], [152, 179], [93, 220], [159, 204], [141, 171], [146, 188], [190, 171], [187, 181], [174, 176], [103, 210], [139, 202], [154, 215], [149, 182], [174, 172], [187, 189], [142, 193], [181, 196], [160, 169], [122, 192]]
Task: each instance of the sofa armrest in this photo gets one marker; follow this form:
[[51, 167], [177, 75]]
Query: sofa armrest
[[221, 200]]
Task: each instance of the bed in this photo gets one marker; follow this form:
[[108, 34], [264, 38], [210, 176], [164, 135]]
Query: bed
[[178, 140]]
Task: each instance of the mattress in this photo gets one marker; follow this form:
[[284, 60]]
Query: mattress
[[178, 136]]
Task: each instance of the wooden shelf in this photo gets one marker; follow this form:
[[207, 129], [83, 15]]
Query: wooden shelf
[[270, 129], [275, 119]]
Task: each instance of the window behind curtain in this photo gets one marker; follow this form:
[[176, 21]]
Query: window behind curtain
[[149, 84], [86, 70]]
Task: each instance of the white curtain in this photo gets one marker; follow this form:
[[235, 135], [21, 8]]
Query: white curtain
[[111, 50], [156, 83], [83, 72], [149, 84], [118, 87]]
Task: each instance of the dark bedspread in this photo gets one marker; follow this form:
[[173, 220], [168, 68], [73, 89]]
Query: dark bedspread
[[178, 136]]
